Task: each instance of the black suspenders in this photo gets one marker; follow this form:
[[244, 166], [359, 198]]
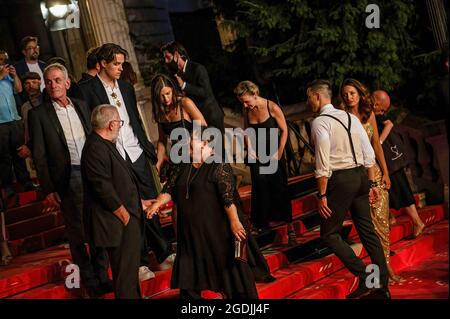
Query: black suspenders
[[347, 130]]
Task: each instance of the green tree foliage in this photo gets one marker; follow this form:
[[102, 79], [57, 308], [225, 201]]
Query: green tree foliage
[[301, 40], [329, 39]]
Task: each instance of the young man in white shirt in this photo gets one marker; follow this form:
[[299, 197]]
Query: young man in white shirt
[[343, 153]]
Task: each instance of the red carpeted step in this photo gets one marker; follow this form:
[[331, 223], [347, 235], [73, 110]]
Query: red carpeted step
[[34, 225], [160, 283], [433, 243], [18, 214], [49, 291], [37, 242], [290, 278], [404, 226], [32, 270], [159, 287], [28, 197], [304, 205]]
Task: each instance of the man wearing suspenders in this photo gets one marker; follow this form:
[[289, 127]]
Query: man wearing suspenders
[[343, 153]]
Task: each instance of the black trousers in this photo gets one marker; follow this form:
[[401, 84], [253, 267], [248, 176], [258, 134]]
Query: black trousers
[[153, 237], [12, 137], [348, 190], [125, 262], [93, 269]]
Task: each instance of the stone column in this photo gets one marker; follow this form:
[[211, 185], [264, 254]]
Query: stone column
[[438, 21], [109, 25]]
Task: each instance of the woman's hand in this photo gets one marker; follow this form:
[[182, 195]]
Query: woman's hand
[[374, 195], [238, 230], [158, 166], [386, 181], [151, 210]]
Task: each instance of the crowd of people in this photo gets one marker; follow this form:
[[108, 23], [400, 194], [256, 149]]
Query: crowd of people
[[94, 162]]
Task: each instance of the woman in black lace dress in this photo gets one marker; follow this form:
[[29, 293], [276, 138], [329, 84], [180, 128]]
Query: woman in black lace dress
[[171, 110], [270, 195], [209, 222]]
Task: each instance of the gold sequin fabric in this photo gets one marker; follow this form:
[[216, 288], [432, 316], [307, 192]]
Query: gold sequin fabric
[[380, 209]]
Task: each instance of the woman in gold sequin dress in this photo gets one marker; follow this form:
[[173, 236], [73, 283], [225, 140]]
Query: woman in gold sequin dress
[[357, 100]]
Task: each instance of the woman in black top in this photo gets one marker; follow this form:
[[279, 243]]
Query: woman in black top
[[171, 110], [270, 195]]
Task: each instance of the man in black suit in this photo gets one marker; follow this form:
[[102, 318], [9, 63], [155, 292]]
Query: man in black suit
[[112, 199], [132, 143], [193, 80], [58, 131]]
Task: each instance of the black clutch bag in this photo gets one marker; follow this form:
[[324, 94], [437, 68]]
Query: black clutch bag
[[240, 250]]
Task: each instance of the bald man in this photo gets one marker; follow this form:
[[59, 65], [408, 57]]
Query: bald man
[[400, 194], [382, 102]]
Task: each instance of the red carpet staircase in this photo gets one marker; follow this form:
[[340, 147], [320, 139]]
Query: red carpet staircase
[[41, 274]]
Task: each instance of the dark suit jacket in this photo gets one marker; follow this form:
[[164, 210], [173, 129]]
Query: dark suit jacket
[[108, 183], [49, 146], [22, 67], [198, 88], [94, 94]]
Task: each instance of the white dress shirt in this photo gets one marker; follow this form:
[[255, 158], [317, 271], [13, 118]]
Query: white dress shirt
[[332, 145], [127, 142], [73, 130]]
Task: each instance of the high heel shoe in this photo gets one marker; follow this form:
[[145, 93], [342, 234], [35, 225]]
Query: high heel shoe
[[393, 277], [392, 220], [419, 230], [292, 238], [5, 253], [5, 260]]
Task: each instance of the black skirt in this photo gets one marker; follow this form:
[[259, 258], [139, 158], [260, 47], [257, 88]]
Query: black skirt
[[400, 194]]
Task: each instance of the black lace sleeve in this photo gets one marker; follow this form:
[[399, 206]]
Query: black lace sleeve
[[224, 179], [174, 171]]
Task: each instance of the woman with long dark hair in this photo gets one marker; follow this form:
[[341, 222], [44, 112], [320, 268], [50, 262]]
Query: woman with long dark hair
[[171, 110]]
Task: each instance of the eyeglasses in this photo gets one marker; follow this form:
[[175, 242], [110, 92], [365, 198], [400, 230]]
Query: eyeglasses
[[116, 99], [32, 48], [120, 121]]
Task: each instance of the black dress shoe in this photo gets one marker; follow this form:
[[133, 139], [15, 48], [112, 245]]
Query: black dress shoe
[[379, 293], [360, 291], [269, 278], [105, 287]]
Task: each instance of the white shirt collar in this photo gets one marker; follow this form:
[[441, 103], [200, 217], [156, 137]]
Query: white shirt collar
[[184, 68], [116, 84], [326, 108], [59, 107]]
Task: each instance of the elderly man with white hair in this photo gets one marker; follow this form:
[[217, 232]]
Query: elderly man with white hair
[[58, 131], [112, 201]]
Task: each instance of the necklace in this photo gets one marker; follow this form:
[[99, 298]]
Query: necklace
[[189, 180]]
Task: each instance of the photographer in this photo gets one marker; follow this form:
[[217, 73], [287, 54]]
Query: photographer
[[12, 149]]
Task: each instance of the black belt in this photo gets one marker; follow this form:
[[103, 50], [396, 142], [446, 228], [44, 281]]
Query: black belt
[[76, 167]]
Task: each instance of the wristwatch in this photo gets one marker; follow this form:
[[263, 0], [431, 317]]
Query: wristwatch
[[372, 184], [320, 196]]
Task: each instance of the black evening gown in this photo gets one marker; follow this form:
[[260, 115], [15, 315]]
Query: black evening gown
[[205, 248], [270, 194]]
